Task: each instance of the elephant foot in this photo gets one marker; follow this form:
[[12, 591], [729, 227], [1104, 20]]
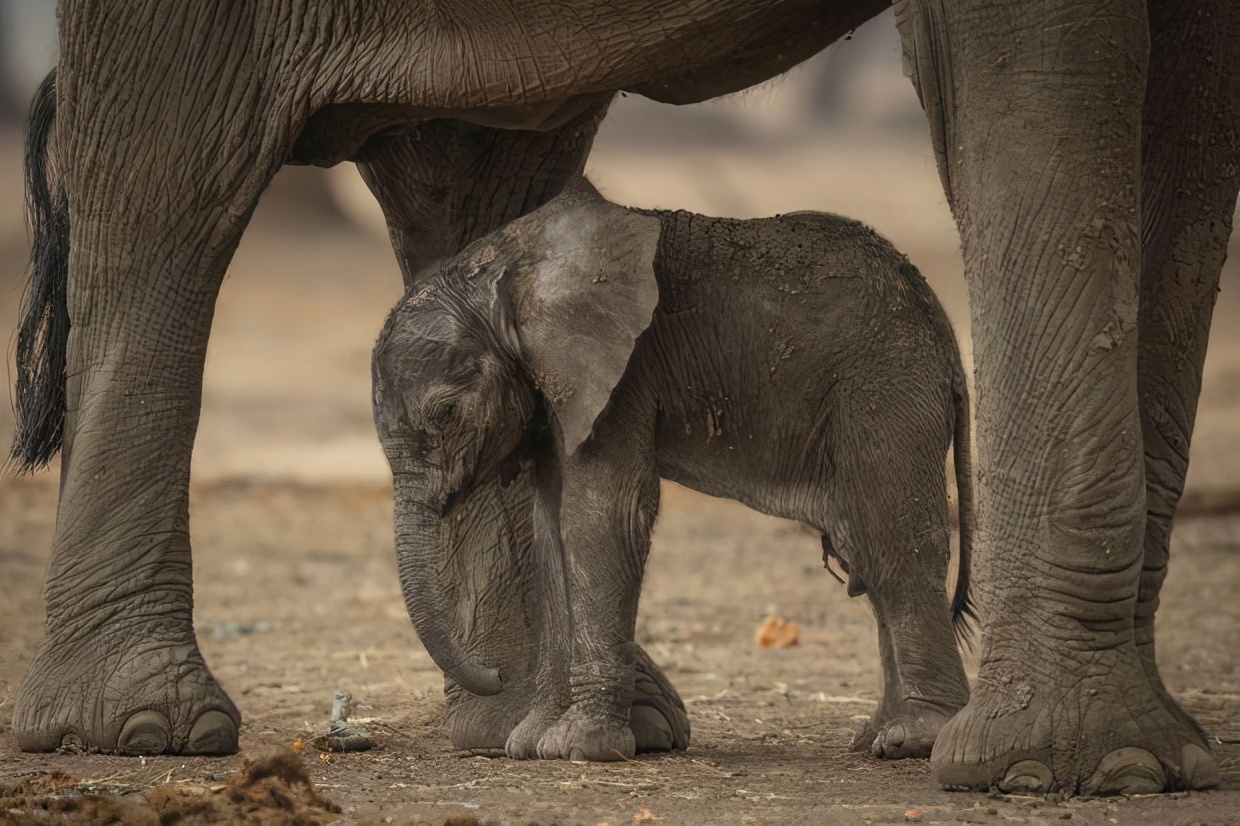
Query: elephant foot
[[1173, 707], [514, 723], [582, 735], [657, 717], [1103, 730], [140, 698], [523, 742], [483, 724], [908, 732]]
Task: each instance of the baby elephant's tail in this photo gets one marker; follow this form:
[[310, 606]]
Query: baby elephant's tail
[[964, 612]]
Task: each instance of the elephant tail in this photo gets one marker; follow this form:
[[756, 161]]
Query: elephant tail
[[43, 337], [963, 610]]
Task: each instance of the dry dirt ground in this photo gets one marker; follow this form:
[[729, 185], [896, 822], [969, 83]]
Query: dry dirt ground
[[297, 594]]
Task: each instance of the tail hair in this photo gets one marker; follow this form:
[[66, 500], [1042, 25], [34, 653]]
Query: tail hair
[[43, 336]]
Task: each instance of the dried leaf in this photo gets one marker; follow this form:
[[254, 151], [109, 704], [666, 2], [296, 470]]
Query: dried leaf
[[777, 632]]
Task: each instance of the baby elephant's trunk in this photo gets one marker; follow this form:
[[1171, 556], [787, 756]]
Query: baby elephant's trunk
[[419, 553]]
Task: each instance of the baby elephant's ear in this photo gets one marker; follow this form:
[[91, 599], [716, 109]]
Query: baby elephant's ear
[[581, 300]]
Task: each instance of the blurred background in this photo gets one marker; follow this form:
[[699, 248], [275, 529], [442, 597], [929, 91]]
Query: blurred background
[[287, 385]]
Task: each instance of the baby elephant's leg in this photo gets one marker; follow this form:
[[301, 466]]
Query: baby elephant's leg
[[898, 543], [923, 680], [607, 507]]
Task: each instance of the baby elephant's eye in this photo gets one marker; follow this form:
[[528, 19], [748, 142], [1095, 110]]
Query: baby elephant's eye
[[441, 415]]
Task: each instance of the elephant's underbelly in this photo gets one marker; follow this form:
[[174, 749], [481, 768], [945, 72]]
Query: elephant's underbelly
[[787, 478]]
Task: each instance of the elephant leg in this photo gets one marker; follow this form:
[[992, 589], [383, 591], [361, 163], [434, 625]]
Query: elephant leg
[[1190, 179], [923, 678], [895, 534], [607, 506], [443, 184], [155, 215], [656, 716], [1035, 111]]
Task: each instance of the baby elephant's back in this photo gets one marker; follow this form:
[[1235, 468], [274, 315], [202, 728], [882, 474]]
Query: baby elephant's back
[[771, 332]]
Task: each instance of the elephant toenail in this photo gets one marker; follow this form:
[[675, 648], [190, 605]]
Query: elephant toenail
[[651, 730], [213, 733], [1027, 776], [888, 741], [72, 743], [1128, 770], [863, 739], [147, 732], [1200, 767]]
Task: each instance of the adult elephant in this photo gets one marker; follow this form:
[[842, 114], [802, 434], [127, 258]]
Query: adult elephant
[[1091, 156]]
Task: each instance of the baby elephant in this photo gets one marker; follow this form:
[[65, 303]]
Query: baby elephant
[[798, 364]]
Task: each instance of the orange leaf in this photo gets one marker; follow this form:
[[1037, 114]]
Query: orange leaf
[[777, 632]]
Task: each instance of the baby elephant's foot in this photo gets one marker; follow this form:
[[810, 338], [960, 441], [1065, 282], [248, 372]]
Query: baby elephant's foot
[[909, 733], [580, 735], [524, 740]]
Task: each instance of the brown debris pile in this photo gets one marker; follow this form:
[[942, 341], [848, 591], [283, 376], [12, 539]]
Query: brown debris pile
[[272, 790], [52, 798]]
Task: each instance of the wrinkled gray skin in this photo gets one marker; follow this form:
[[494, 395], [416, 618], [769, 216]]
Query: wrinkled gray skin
[[798, 364], [1090, 160]]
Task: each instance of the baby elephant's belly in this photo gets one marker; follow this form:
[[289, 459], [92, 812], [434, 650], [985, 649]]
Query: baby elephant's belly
[[734, 458]]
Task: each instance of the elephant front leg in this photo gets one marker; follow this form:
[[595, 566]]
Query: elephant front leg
[[1189, 183], [656, 716], [553, 629], [1036, 114], [607, 508]]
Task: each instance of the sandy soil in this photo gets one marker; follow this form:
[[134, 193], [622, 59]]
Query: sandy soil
[[297, 598], [297, 593]]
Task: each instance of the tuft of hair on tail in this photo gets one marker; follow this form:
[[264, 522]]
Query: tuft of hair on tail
[[43, 336]]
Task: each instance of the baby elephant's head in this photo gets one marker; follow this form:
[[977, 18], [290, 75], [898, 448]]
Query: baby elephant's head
[[546, 309]]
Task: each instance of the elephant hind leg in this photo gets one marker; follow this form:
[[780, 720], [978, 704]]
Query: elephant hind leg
[[890, 530], [156, 214], [120, 669], [657, 716], [898, 546], [1190, 180]]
